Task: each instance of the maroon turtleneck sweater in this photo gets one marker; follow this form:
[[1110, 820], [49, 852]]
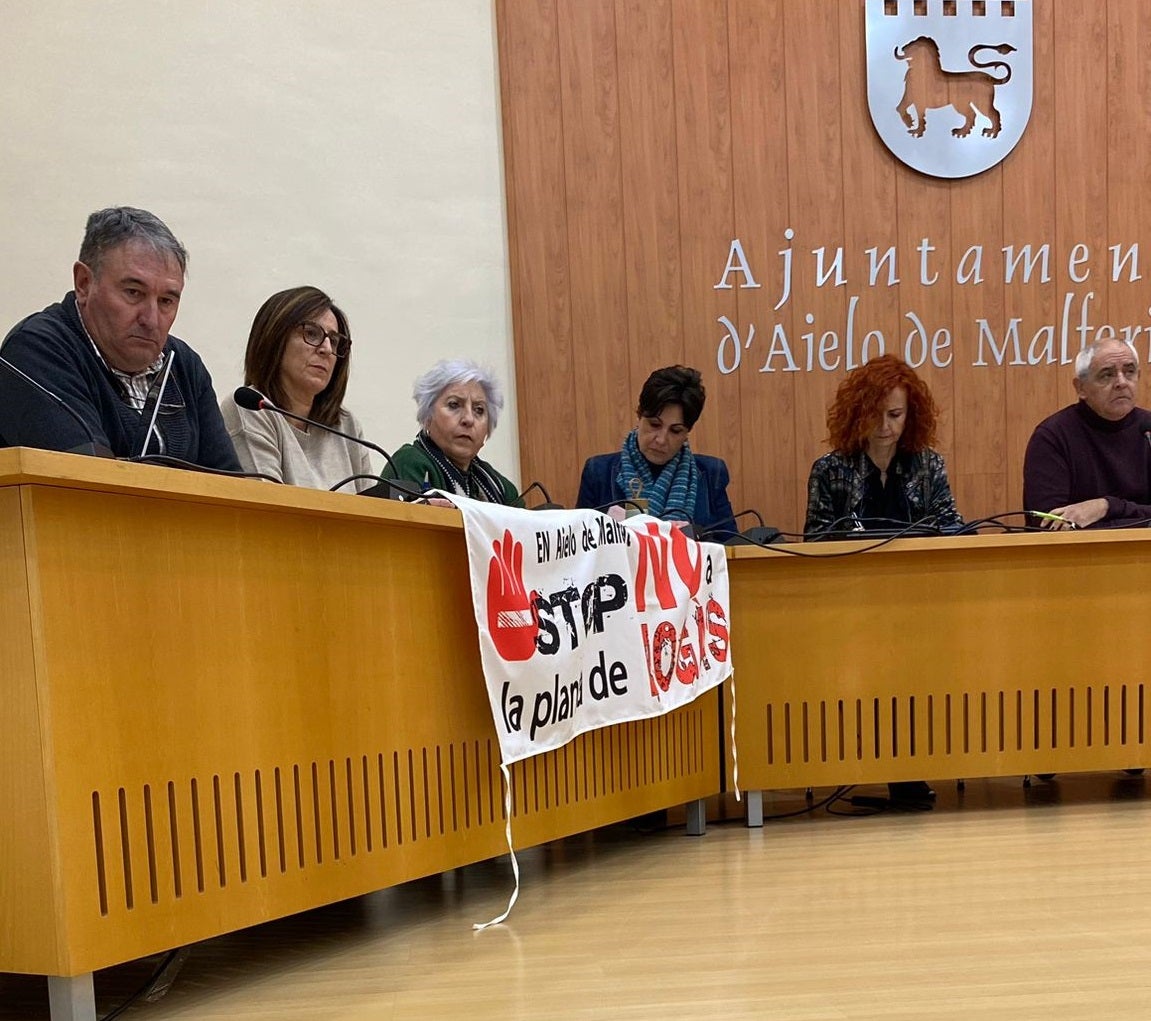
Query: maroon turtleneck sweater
[[1075, 455]]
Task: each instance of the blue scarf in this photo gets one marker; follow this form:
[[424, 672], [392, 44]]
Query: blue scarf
[[670, 496]]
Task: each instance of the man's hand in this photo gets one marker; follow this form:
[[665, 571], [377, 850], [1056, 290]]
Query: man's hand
[[1077, 515]]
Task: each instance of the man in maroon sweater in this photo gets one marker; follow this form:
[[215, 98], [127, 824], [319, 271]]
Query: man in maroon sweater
[[1090, 463]]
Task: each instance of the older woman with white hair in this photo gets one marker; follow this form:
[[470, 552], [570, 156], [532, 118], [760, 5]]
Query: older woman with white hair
[[458, 404]]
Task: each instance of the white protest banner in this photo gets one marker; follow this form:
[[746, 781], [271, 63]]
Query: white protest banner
[[585, 621]]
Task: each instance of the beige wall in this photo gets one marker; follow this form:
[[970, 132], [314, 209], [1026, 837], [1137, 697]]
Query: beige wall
[[355, 146]]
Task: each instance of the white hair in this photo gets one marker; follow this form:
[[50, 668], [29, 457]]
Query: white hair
[[1085, 357], [449, 372]]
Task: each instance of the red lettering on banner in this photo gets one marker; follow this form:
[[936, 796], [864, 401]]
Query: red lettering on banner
[[717, 628], [690, 574], [653, 556], [701, 633], [686, 667], [663, 641]]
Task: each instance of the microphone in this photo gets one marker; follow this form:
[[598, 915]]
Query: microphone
[[154, 401], [92, 447], [250, 398], [547, 504]]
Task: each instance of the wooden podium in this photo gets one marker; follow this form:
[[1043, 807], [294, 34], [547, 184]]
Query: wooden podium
[[227, 701], [941, 658]]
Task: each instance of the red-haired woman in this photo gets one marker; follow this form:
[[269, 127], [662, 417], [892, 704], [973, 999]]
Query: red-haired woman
[[881, 472]]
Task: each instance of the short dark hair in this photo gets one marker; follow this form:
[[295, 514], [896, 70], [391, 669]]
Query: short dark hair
[[117, 225], [675, 384], [272, 329]]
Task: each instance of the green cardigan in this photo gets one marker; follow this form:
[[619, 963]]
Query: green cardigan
[[412, 464]]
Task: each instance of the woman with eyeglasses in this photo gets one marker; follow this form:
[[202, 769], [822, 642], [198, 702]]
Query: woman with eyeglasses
[[297, 356]]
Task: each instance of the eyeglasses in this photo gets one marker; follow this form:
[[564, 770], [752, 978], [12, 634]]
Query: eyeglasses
[[315, 335]]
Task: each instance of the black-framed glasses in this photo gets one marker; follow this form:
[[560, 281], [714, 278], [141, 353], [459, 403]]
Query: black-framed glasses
[[314, 334]]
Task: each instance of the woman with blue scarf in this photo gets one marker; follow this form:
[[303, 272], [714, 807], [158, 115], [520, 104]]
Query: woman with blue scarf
[[656, 467]]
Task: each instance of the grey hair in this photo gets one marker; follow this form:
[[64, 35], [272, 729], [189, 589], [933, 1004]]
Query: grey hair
[[1085, 357], [109, 228], [449, 372]]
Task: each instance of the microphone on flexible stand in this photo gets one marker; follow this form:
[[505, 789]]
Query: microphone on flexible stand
[[92, 447], [547, 504], [154, 401], [251, 399]]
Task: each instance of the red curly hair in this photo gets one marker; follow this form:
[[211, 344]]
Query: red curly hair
[[858, 406]]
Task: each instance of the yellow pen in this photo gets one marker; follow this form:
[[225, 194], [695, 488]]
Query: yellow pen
[[1052, 517]]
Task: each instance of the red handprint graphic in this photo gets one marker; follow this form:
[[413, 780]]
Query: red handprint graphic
[[513, 621]]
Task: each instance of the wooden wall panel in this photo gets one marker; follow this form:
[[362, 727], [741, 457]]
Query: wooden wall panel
[[762, 215], [871, 209], [590, 101], [1128, 103], [925, 248], [1080, 121], [540, 266], [651, 212], [703, 144], [816, 196], [702, 121], [978, 473], [1031, 197], [651, 184]]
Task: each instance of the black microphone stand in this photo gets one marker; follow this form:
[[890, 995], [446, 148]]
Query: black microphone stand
[[92, 446], [250, 398]]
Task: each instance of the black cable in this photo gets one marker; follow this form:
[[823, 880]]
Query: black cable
[[970, 527], [166, 460], [1103, 526], [855, 813], [830, 800], [143, 990], [876, 526], [353, 478], [1025, 529], [546, 495], [864, 546], [415, 495], [725, 525]]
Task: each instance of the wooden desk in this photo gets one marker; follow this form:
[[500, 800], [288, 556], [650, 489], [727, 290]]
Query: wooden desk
[[227, 701], [941, 658]]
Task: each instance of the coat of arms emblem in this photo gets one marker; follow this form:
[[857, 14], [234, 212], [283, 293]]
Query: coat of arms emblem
[[949, 82]]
